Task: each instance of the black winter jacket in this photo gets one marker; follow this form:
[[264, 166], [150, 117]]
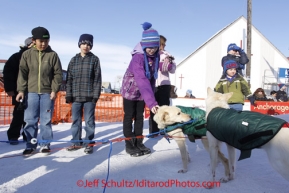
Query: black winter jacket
[[10, 72], [241, 60]]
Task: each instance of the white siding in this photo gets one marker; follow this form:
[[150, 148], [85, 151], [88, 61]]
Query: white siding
[[203, 69]]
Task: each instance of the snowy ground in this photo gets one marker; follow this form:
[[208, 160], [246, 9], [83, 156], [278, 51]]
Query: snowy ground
[[64, 171]]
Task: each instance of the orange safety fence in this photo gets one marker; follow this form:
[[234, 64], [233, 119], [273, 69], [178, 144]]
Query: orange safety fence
[[109, 108], [6, 108]]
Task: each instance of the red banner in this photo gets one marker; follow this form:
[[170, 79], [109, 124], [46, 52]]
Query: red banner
[[271, 108]]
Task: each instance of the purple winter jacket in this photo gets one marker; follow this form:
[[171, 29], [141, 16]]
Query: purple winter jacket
[[135, 85]]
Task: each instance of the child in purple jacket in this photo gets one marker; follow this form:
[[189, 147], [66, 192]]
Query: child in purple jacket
[[137, 89]]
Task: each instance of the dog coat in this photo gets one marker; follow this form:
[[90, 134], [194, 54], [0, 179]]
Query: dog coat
[[244, 130], [195, 129]]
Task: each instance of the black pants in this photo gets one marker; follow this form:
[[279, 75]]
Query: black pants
[[162, 96], [16, 124], [133, 111]]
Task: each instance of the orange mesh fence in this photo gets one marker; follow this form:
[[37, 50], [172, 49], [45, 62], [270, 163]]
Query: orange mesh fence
[[108, 108], [6, 108]]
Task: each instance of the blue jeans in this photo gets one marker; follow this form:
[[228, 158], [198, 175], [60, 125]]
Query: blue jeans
[[89, 118], [39, 108], [237, 107]]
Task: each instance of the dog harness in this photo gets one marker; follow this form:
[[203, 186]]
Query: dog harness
[[196, 128], [244, 130]]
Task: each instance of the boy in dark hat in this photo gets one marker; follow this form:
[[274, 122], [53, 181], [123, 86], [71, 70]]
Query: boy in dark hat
[[10, 72], [83, 89], [231, 81], [39, 80], [237, 54], [281, 94]]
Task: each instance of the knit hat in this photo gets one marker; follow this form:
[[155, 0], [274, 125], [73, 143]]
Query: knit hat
[[231, 47], [189, 92], [150, 39], [229, 64], [40, 33], [281, 85], [27, 42], [86, 39]]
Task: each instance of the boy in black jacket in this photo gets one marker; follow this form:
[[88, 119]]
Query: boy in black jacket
[[10, 72]]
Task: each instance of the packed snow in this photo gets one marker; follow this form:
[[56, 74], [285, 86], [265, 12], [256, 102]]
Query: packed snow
[[63, 171]]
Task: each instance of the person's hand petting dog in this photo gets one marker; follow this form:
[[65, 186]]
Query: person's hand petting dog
[[155, 109]]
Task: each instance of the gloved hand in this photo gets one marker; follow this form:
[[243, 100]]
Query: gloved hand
[[237, 48], [155, 109], [94, 100], [252, 100], [68, 100]]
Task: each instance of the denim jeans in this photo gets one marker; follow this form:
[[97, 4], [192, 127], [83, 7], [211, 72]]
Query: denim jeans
[[89, 118], [39, 108], [237, 107]]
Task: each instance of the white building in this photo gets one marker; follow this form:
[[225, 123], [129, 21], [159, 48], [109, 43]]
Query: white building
[[202, 68]]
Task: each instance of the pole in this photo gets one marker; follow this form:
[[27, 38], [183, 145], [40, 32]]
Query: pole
[[249, 37]]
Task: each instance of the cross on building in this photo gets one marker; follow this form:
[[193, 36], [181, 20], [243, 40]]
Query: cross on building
[[181, 77]]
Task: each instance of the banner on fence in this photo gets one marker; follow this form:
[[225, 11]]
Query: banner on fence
[[271, 108]]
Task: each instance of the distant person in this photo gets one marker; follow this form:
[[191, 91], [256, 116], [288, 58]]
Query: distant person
[[231, 81], [281, 94], [273, 95], [138, 89], [236, 53], [83, 90], [189, 94], [10, 73], [163, 84], [39, 80], [258, 95]]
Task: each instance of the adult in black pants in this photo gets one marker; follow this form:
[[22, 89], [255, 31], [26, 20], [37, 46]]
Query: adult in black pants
[[10, 72], [162, 95], [163, 84]]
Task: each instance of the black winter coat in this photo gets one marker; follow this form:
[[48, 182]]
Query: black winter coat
[[241, 60], [10, 72]]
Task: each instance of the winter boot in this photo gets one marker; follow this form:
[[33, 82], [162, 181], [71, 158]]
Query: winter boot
[[131, 149], [142, 147], [173, 94]]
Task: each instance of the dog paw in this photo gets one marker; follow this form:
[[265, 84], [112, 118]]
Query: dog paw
[[182, 171], [225, 179], [231, 176]]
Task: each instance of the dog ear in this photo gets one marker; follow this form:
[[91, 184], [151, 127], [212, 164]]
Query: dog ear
[[228, 95], [209, 91], [158, 118], [161, 122], [165, 115]]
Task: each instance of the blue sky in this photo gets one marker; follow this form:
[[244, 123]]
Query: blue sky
[[115, 25]]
